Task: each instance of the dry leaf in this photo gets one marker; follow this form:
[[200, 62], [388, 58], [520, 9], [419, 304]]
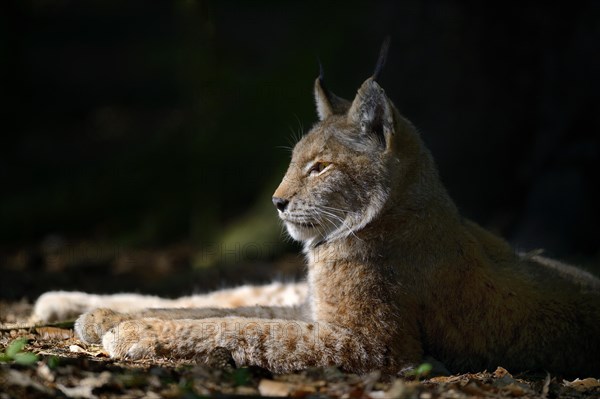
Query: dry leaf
[[445, 379], [501, 372], [99, 352], [278, 388], [54, 333], [76, 349], [584, 385], [274, 388]]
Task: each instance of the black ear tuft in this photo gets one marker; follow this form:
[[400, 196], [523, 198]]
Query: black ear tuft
[[385, 46], [327, 103], [321, 71], [322, 80]]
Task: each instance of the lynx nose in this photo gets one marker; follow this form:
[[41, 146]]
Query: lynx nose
[[280, 203]]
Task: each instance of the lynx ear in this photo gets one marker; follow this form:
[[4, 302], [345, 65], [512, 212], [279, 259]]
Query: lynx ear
[[328, 103], [373, 112], [385, 46]]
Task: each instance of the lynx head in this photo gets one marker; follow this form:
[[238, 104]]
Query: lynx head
[[344, 171]]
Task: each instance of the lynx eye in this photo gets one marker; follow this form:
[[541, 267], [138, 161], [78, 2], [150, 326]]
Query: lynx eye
[[318, 167]]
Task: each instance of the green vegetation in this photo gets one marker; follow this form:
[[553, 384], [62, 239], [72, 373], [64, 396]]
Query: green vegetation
[[420, 372], [14, 353]]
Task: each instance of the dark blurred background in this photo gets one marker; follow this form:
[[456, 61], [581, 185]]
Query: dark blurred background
[[141, 141]]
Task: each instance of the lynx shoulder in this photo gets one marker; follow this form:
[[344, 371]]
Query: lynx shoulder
[[394, 272]]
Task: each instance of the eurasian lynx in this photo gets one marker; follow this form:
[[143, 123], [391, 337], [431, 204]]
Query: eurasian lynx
[[394, 273]]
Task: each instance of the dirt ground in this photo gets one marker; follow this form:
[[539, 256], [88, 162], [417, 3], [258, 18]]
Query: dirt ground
[[49, 361], [66, 367]]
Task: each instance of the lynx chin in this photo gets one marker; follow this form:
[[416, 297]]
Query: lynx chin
[[394, 273]]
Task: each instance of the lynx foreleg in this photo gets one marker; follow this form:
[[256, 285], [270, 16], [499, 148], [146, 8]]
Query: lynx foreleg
[[278, 345], [91, 326]]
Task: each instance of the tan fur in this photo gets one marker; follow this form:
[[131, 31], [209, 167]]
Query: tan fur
[[394, 272]]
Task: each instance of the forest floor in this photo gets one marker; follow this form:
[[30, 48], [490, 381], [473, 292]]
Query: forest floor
[[39, 361]]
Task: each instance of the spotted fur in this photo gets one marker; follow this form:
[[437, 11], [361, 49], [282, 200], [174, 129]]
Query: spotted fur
[[394, 273]]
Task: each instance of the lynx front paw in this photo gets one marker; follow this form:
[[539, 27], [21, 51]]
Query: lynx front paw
[[151, 337], [61, 305], [92, 326], [131, 339]]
